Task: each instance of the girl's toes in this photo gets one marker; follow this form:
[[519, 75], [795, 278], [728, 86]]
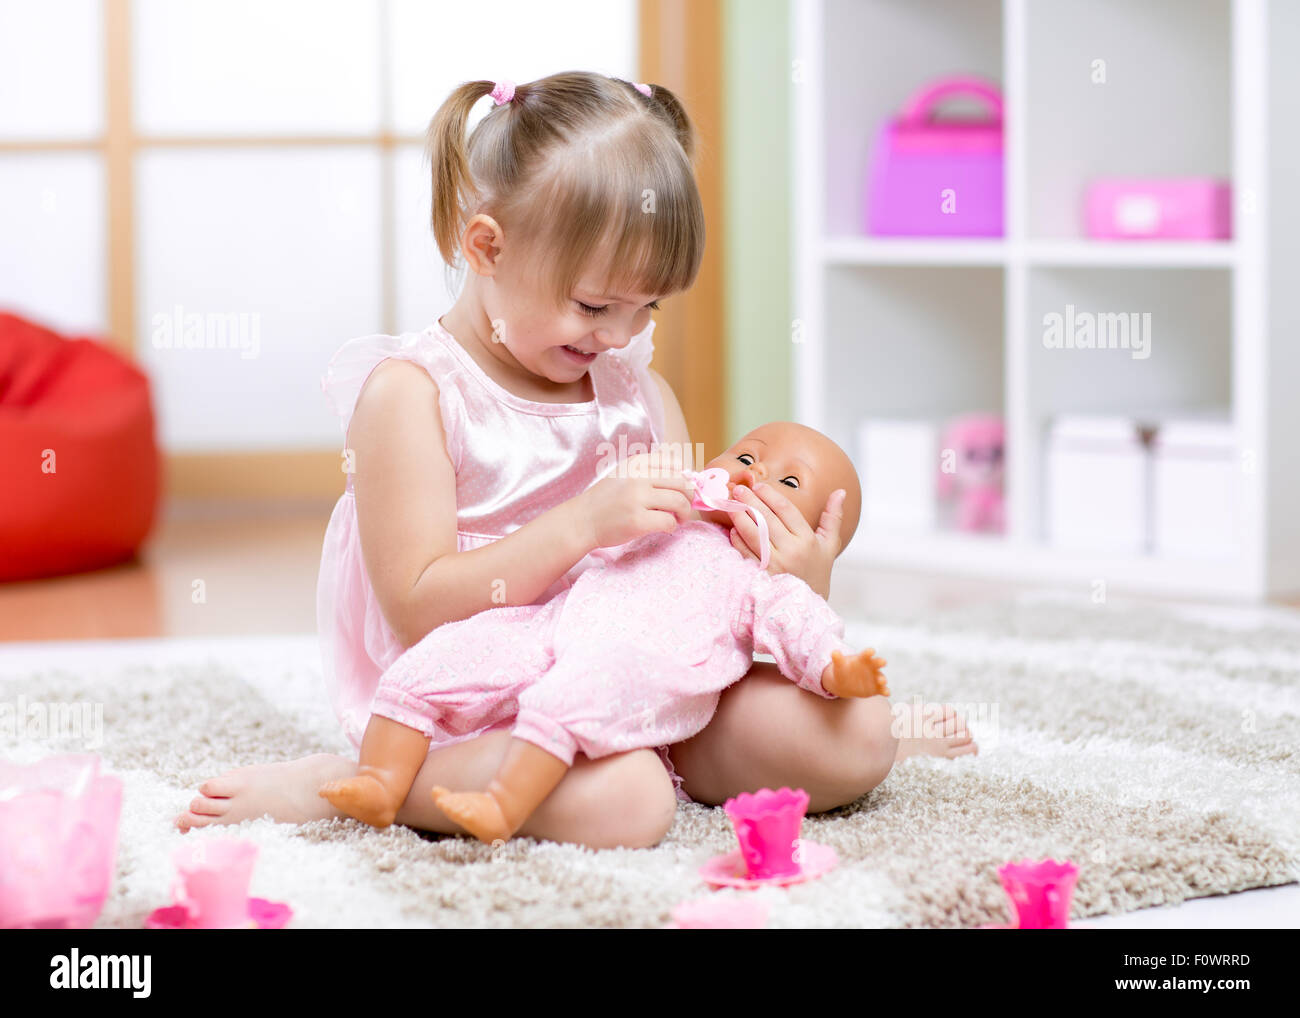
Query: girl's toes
[[201, 805], [187, 821], [223, 787]]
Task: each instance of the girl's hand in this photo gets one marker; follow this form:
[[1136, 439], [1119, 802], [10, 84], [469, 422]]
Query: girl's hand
[[642, 495], [796, 547]]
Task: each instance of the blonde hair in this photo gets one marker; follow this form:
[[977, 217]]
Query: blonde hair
[[574, 161]]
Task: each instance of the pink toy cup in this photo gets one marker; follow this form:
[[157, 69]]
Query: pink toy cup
[[58, 841], [212, 882], [1040, 892], [767, 826]]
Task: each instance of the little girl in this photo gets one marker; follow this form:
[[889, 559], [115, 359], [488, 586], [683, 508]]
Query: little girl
[[634, 654], [472, 447]]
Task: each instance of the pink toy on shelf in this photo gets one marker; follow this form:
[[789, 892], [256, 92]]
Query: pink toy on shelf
[[211, 890], [1159, 208], [767, 825], [711, 492], [939, 178], [974, 447], [720, 914], [1039, 893], [58, 841]]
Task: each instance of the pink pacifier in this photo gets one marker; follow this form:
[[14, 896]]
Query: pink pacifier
[[211, 890], [711, 492]]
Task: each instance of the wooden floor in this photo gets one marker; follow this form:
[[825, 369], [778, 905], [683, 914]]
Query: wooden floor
[[242, 570], [205, 571]]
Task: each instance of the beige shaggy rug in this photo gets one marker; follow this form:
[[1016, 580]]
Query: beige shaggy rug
[[1154, 745]]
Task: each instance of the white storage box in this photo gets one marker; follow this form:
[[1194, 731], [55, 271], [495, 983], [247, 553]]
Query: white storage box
[[1097, 485], [1195, 490], [898, 466]]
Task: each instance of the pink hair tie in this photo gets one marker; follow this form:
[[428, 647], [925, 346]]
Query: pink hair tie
[[643, 88], [503, 91]]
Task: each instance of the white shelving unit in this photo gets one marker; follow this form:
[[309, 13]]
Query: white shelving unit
[[936, 327]]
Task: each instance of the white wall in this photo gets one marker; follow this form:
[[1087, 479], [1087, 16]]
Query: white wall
[[288, 235]]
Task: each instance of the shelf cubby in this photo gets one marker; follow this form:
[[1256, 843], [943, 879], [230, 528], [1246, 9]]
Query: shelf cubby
[[931, 327]]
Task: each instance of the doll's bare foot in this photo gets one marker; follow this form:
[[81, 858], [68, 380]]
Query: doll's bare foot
[[932, 729], [477, 812], [367, 797], [285, 792], [859, 675]]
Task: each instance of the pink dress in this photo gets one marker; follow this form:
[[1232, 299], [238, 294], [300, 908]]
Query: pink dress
[[634, 655], [514, 459]]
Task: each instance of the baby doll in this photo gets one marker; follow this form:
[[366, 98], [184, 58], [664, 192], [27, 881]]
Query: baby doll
[[974, 478], [634, 655]]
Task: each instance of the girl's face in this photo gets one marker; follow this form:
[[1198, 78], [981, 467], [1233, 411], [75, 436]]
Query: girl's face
[[562, 344]]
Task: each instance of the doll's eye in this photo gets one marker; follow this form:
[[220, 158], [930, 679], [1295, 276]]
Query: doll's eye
[[792, 481], [746, 459]]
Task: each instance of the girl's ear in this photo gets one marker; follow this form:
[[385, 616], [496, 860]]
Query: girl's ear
[[481, 244]]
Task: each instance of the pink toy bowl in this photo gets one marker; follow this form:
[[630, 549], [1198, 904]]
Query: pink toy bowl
[[720, 914], [211, 890], [58, 841], [932, 178], [262, 915], [1039, 892], [729, 870]]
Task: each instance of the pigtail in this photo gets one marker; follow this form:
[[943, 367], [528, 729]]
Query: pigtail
[[669, 107], [446, 150]]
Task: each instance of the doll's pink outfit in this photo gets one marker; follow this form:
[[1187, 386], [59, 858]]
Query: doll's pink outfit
[[514, 459], [634, 655]]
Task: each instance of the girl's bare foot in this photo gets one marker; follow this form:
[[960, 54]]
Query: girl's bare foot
[[286, 792], [932, 729], [477, 812]]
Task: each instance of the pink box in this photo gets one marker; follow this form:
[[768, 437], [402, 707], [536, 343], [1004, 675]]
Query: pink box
[[938, 178], [1159, 208]]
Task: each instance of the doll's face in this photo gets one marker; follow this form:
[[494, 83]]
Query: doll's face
[[980, 461], [803, 464]]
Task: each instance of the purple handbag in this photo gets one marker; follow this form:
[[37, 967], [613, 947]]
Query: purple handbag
[[938, 178]]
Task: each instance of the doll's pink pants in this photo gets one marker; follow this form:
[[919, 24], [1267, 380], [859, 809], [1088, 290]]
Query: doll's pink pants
[[634, 655]]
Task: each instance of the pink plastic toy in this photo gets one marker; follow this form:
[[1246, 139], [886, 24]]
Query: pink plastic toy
[[932, 178], [767, 825], [974, 448], [711, 492], [1039, 892], [58, 841], [1134, 208], [211, 890], [720, 914]]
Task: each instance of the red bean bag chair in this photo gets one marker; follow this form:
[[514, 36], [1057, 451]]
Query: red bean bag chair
[[79, 467]]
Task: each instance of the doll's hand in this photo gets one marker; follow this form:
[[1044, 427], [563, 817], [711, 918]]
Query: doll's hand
[[796, 547], [859, 675]]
